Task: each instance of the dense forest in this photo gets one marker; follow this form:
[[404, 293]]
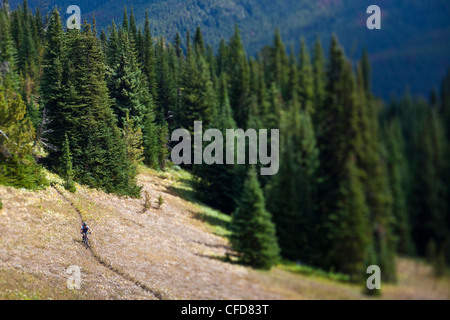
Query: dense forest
[[411, 50], [360, 181]]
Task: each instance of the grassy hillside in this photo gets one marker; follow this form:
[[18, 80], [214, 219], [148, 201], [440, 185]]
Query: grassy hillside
[[412, 49], [177, 251]]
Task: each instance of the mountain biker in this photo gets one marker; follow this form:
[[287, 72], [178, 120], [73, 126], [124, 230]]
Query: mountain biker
[[84, 229]]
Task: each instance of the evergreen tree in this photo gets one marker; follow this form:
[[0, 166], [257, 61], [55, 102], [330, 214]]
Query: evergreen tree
[[198, 99], [99, 153], [148, 64], [397, 166], [165, 83], [306, 82], [342, 214], [431, 214], [374, 176], [178, 49], [66, 166], [239, 79], [52, 86], [221, 196], [8, 54], [199, 44], [163, 139], [278, 65], [292, 190], [133, 140], [17, 164], [253, 233], [127, 84], [318, 76]]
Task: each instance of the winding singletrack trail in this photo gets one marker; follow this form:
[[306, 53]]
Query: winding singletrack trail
[[106, 264]]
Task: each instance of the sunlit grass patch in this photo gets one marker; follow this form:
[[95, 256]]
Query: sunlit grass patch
[[311, 271], [216, 220]]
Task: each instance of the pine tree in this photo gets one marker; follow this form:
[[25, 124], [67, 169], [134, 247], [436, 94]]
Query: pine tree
[[343, 213], [132, 135], [125, 24], [278, 65], [199, 44], [292, 190], [133, 29], [253, 233], [374, 176], [66, 166], [127, 84], [18, 167], [8, 55], [178, 49], [98, 151], [396, 162], [52, 86], [165, 83], [163, 139], [198, 98], [221, 196], [239, 79], [318, 76], [431, 206], [306, 82]]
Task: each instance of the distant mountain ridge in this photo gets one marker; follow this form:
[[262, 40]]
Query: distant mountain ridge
[[412, 50]]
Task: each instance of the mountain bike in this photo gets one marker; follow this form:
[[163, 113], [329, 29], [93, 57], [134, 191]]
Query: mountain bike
[[86, 239]]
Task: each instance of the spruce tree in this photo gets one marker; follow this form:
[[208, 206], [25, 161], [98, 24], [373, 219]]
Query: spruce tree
[[66, 166], [127, 84], [199, 44], [18, 167], [132, 135], [51, 85], [375, 175], [221, 196], [342, 212], [198, 97], [318, 76], [239, 79], [253, 233], [278, 65], [8, 54], [306, 81], [397, 168], [148, 64], [98, 150], [293, 189]]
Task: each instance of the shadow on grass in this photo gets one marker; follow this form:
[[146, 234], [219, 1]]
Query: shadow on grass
[[228, 258], [184, 192], [212, 220], [221, 246]]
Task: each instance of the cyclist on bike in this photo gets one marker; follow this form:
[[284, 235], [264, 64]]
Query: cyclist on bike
[[84, 230]]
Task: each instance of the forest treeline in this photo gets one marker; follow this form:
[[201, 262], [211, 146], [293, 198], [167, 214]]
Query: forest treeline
[[359, 182]]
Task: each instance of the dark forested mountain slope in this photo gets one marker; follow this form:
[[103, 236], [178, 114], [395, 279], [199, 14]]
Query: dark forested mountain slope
[[412, 49]]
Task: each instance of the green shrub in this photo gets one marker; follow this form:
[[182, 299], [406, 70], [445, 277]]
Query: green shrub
[[70, 186], [160, 201]]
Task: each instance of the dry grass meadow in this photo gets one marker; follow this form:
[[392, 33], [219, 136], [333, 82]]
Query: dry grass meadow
[[176, 251]]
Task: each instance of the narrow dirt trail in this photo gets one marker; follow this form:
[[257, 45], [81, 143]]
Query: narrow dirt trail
[[106, 264]]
